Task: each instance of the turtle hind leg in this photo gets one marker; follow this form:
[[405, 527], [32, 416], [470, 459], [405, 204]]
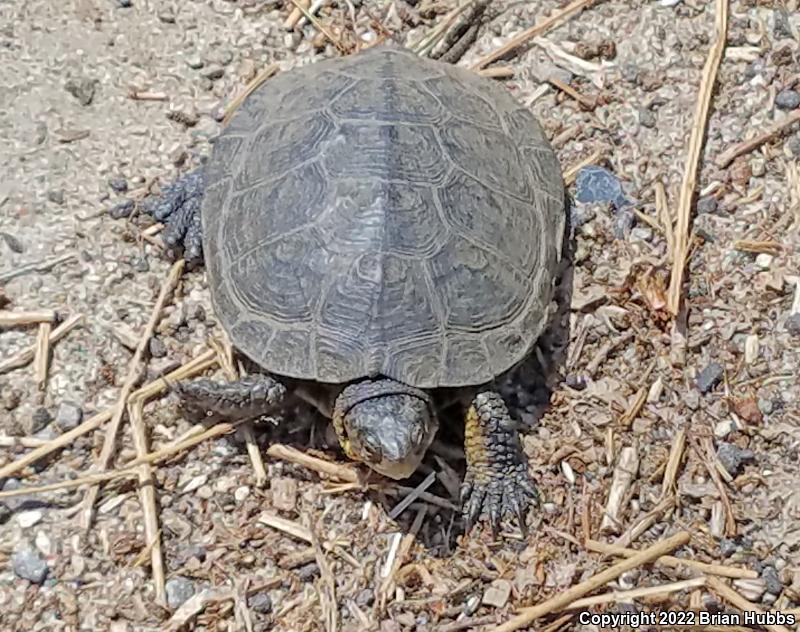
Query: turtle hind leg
[[178, 207], [496, 483], [246, 398]]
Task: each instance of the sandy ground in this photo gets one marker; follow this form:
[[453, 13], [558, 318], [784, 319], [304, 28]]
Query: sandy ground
[[76, 140]]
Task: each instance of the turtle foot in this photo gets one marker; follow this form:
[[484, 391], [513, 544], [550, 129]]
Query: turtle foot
[[246, 398], [178, 207], [497, 483]]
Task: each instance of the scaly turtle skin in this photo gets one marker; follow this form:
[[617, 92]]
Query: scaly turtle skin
[[377, 230]]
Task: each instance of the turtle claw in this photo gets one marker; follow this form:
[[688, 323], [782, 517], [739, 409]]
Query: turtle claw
[[178, 207], [503, 495], [497, 483]]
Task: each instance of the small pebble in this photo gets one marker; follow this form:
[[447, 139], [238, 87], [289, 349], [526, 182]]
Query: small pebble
[[179, 589], [728, 546], [43, 543], [733, 457], [773, 582], [11, 399], [27, 519], [793, 146], [121, 210], [194, 62], [766, 406], [787, 100], [81, 89], [56, 196], [68, 416], [28, 565], [38, 421], [213, 72], [284, 493], [5, 513], [118, 184], [195, 483], [647, 118], [709, 377], [308, 572], [157, 347], [498, 593], [793, 324], [764, 261], [125, 4], [260, 602], [707, 204], [205, 492], [241, 493], [365, 598]]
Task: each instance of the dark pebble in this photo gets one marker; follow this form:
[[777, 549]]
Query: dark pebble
[[647, 118], [157, 347], [123, 209], [728, 546], [125, 4], [179, 589], [707, 204], [140, 264], [709, 377], [787, 100], [5, 513], [81, 89], [793, 324], [623, 223], [793, 145], [56, 196], [733, 457], [773, 582], [578, 382], [14, 244], [28, 565], [68, 416], [365, 598], [39, 420], [120, 185], [261, 602], [308, 572], [781, 28]]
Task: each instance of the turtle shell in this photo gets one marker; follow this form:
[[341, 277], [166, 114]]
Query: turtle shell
[[383, 214]]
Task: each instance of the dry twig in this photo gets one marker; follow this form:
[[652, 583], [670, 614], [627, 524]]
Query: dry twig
[[674, 562], [342, 471], [728, 156], [695, 148], [624, 474], [623, 596], [573, 8], [673, 463], [26, 356], [564, 599], [147, 496], [18, 319], [41, 357], [135, 370], [735, 599]]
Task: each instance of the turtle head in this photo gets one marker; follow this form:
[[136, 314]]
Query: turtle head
[[386, 425]]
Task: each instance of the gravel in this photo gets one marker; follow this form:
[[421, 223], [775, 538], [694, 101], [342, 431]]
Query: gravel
[[260, 602], [179, 589], [733, 457], [28, 565], [787, 100], [709, 377], [68, 416]]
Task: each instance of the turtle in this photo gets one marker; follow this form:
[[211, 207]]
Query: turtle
[[381, 234]]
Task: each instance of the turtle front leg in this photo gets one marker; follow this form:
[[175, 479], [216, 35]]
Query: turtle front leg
[[497, 481], [246, 398], [178, 207]]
